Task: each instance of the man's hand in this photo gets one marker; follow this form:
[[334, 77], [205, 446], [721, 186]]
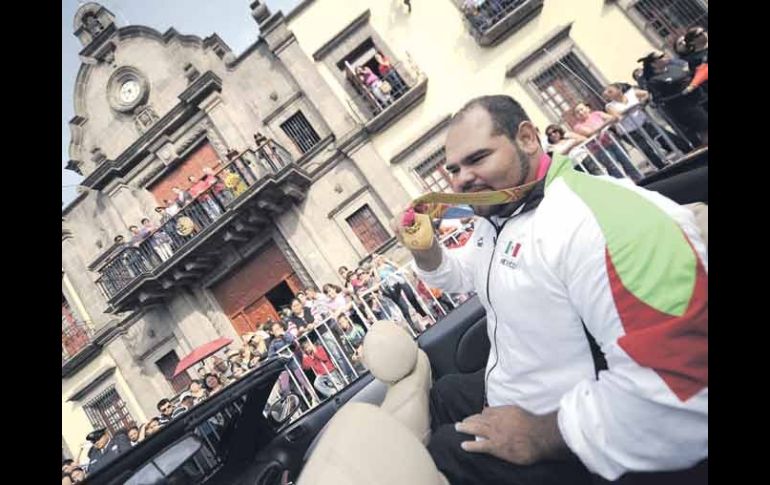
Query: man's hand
[[514, 435], [428, 259]]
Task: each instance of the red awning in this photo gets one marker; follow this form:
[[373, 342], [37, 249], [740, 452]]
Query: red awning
[[201, 353]]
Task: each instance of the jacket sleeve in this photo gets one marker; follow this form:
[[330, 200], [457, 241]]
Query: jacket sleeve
[[455, 273], [642, 292]]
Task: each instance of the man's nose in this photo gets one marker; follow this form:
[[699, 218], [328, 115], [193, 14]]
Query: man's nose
[[462, 179]]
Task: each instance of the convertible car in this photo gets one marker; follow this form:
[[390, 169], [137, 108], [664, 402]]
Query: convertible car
[[233, 438]]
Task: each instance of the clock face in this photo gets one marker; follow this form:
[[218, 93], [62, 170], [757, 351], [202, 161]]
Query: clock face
[[129, 91]]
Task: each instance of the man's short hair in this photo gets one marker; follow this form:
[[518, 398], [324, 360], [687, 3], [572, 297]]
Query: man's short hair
[[67, 461], [162, 403], [506, 113]]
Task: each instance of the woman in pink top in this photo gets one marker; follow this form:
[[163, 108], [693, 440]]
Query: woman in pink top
[[370, 79], [603, 147]]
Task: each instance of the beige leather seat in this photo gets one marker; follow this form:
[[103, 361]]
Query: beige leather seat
[[365, 444], [393, 357], [384, 445], [701, 212]]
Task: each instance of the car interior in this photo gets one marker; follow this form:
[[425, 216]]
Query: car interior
[[383, 413]]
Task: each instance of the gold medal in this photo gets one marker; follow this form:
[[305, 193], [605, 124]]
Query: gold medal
[[419, 233]]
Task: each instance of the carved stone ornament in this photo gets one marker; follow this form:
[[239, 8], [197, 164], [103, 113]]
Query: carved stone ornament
[[144, 118]]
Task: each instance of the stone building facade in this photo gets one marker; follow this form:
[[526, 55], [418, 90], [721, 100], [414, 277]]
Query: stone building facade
[[315, 193]]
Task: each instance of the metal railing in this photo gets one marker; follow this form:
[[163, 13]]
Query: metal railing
[[386, 91], [342, 347], [639, 137], [226, 186], [368, 306], [482, 15], [670, 18]]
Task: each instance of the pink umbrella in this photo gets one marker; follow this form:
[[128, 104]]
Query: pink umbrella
[[201, 353]]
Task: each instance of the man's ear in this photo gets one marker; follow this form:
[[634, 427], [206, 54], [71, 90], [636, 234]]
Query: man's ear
[[527, 138]]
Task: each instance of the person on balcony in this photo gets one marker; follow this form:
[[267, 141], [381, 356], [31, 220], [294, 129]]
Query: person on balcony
[[183, 197], [388, 73], [162, 215], [159, 240], [603, 146], [136, 236], [374, 86], [218, 189], [267, 152], [471, 10], [139, 258], [171, 209], [199, 190], [622, 103]]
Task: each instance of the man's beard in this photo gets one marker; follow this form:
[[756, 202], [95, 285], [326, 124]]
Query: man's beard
[[506, 209]]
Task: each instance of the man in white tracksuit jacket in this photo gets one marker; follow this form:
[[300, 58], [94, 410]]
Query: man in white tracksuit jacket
[[579, 255]]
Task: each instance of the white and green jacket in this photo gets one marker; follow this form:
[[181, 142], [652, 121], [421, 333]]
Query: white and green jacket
[[630, 265]]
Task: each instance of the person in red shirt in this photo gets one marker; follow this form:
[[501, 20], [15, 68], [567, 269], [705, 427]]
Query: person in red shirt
[[327, 380], [218, 189], [389, 74], [199, 190]]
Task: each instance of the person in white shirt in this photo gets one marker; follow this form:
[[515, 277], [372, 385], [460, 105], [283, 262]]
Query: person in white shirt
[[572, 256], [626, 104]]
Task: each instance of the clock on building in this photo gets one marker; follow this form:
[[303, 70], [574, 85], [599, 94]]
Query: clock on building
[[126, 89], [129, 91]]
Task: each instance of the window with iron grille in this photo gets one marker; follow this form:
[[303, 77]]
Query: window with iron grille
[[74, 334], [301, 132], [566, 82], [107, 410], [668, 19], [167, 365], [432, 173], [368, 228]]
